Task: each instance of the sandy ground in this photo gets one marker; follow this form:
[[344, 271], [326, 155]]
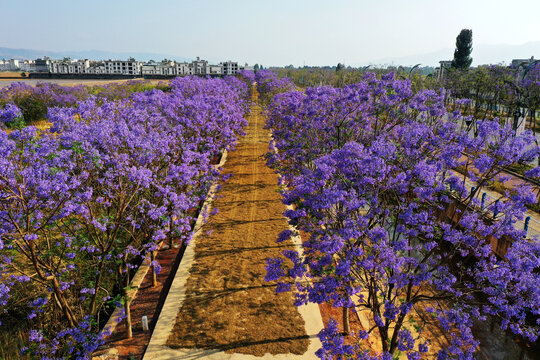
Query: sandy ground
[[228, 304], [4, 74], [68, 82]]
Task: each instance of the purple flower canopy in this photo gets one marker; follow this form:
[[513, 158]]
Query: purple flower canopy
[[368, 169], [86, 200], [9, 113]]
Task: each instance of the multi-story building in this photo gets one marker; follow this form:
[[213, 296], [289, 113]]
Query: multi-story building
[[27, 66], [229, 67], [42, 65], [97, 67], [215, 70], [130, 67], [17, 65], [166, 67], [119, 67], [68, 66], [184, 68], [150, 68], [200, 67], [9, 65], [443, 68]]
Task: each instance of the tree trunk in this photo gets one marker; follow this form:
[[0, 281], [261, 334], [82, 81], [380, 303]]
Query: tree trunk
[[96, 289], [127, 308], [384, 338], [63, 303], [346, 322], [154, 275], [127, 303]]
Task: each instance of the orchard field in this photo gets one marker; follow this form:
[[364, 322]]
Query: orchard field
[[376, 172]]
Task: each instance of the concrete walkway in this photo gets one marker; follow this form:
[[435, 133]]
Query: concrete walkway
[[218, 295]]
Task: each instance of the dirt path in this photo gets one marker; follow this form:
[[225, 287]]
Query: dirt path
[[228, 305]]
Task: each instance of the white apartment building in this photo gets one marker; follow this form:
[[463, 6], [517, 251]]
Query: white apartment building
[[119, 67], [149, 69], [130, 67], [167, 68], [27, 66], [200, 67], [68, 66], [184, 68], [229, 67], [17, 65], [215, 70], [97, 67], [9, 65], [43, 65]]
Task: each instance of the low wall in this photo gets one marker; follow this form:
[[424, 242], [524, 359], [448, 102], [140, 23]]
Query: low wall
[[106, 76], [81, 76]]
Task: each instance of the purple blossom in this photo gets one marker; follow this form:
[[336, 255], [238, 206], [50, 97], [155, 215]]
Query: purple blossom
[[10, 113], [119, 171], [368, 169]]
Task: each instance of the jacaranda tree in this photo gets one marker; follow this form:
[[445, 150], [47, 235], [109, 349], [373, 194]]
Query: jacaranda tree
[[392, 230], [84, 203]]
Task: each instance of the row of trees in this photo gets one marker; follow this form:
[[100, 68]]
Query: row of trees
[[511, 94], [340, 75], [320, 76], [83, 204], [33, 102], [392, 232]]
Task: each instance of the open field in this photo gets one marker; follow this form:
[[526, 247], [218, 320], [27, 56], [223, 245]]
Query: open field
[[66, 82], [5, 74]]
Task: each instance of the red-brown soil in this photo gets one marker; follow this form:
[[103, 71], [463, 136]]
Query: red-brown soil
[[148, 301]]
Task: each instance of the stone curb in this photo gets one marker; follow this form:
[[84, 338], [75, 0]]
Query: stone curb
[[167, 317]]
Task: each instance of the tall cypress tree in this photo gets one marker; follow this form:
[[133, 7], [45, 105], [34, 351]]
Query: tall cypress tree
[[462, 59]]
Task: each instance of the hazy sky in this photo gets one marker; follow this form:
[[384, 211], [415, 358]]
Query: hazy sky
[[271, 32]]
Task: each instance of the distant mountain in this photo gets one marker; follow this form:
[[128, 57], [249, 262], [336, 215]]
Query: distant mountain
[[481, 54], [9, 53], [141, 56]]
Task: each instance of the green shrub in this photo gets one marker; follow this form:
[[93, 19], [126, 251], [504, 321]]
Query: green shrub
[[16, 124], [520, 168], [497, 186], [32, 107]]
